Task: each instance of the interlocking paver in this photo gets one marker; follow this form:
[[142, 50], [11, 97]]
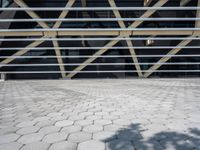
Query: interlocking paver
[[104, 136], [91, 145], [55, 137], [79, 137], [8, 138], [11, 146], [30, 138], [103, 122], [28, 130], [119, 145], [71, 129], [8, 130], [45, 123], [122, 122], [83, 122], [49, 129], [94, 117], [63, 146], [26, 124], [93, 128], [113, 127], [143, 114], [64, 123], [36, 146]]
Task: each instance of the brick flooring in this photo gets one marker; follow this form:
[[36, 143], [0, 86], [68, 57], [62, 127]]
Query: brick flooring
[[131, 114]]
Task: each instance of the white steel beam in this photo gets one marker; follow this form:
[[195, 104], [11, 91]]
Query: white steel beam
[[102, 32], [129, 42], [166, 58], [173, 51], [147, 14], [21, 52], [64, 13], [59, 59], [147, 3], [31, 13], [55, 43], [184, 2], [36, 43]]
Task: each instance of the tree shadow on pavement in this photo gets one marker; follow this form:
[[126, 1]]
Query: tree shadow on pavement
[[130, 138]]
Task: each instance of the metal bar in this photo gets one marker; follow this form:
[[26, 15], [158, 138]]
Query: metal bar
[[55, 43], [21, 52], [96, 48], [175, 50], [31, 13], [99, 29], [58, 56], [63, 14], [128, 42], [110, 71], [95, 8], [92, 56], [184, 2], [94, 64], [99, 39], [99, 33], [98, 19], [112, 43]]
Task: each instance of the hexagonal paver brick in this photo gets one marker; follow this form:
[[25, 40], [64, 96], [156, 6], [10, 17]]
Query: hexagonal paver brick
[[119, 145], [102, 122], [113, 127], [71, 129], [36, 146], [93, 128], [93, 117], [45, 123], [91, 145], [28, 130], [54, 114], [55, 137], [79, 137], [129, 135], [122, 122], [41, 118], [111, 117], [83, 122], [63, 146], [58, 118], [86, 113], [102, 113], [76, 117], [11, 146], [30, 138], [26, 124], [104, 136], [8, 130], [49, 129], [64, 123], [8, 138]]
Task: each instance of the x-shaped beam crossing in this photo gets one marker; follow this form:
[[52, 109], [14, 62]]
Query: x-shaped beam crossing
[[100, 52], [175, 50], [36, 43], [129, 42]]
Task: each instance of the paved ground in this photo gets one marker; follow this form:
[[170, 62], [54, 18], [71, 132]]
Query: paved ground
[[129, 114]]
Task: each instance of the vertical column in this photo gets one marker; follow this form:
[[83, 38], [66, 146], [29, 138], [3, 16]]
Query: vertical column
[[3, 77]]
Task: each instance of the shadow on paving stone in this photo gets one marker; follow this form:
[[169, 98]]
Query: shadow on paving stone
[[131, 138]]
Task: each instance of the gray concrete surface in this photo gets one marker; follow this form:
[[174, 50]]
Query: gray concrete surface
[[131, 114]]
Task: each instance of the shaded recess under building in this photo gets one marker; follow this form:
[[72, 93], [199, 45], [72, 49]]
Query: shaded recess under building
[[54, 39]]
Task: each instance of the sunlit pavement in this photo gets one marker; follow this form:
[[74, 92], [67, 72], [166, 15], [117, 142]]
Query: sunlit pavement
[[123, 114]]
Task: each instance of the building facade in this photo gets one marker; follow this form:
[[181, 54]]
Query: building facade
[[52, 39]]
